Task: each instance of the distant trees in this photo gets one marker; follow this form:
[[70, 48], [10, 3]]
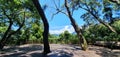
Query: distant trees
[[68, 38], [65, 37], [101, 33], [31, 34]]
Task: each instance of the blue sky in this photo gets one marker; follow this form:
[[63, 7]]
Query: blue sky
[[60, 22]]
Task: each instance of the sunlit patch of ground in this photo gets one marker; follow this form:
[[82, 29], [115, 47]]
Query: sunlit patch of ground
[[58, 50]]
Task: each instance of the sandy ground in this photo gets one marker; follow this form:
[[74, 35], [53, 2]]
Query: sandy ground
[[58, 50]]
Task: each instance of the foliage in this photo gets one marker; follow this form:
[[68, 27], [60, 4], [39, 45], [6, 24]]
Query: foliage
[[101, 33], [67, 38], [32, 30], [16, 11]]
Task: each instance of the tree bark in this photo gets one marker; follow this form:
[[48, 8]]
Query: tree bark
[[78, 30], [46, 26]]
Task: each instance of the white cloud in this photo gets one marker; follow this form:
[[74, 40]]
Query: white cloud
[[59, 31]]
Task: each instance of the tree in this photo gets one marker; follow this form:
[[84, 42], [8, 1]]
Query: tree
[[16, 16], [65, 37], [101, 33], [10, 15], [46, 26], [78, 30], [31, 34], [94, 9], [102, 11]]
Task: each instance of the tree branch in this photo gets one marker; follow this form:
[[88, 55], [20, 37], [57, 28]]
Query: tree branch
[[97, 18], [10, 25], [58, 10]]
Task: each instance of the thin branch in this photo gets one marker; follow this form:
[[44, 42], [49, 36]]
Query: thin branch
[[4, 12], [55, 4], [21, 24], [83, 8], [87, 7], [58, 11], [59, 3]]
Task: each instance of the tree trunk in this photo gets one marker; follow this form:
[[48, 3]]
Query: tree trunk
[[46, 26], [78, 30], [7, 35], [4, 37], [104, 23], [2, 43]]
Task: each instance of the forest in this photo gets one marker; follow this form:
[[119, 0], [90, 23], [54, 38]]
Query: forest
[[25, 22]]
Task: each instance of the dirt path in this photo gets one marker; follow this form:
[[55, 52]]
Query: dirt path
[[58, 50]]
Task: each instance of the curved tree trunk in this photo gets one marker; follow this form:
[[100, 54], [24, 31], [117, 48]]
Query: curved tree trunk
[[78, 30], [46, 26]]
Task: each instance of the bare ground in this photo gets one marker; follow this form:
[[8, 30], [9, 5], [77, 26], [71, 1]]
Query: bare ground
[[58, 50]]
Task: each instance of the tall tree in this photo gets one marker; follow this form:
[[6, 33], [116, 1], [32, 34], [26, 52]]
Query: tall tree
[[67, 11], [78, 30], [46, 26]]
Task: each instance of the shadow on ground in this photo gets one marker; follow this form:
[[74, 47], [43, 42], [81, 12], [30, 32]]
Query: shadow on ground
[[31, 51], [106, 52]]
